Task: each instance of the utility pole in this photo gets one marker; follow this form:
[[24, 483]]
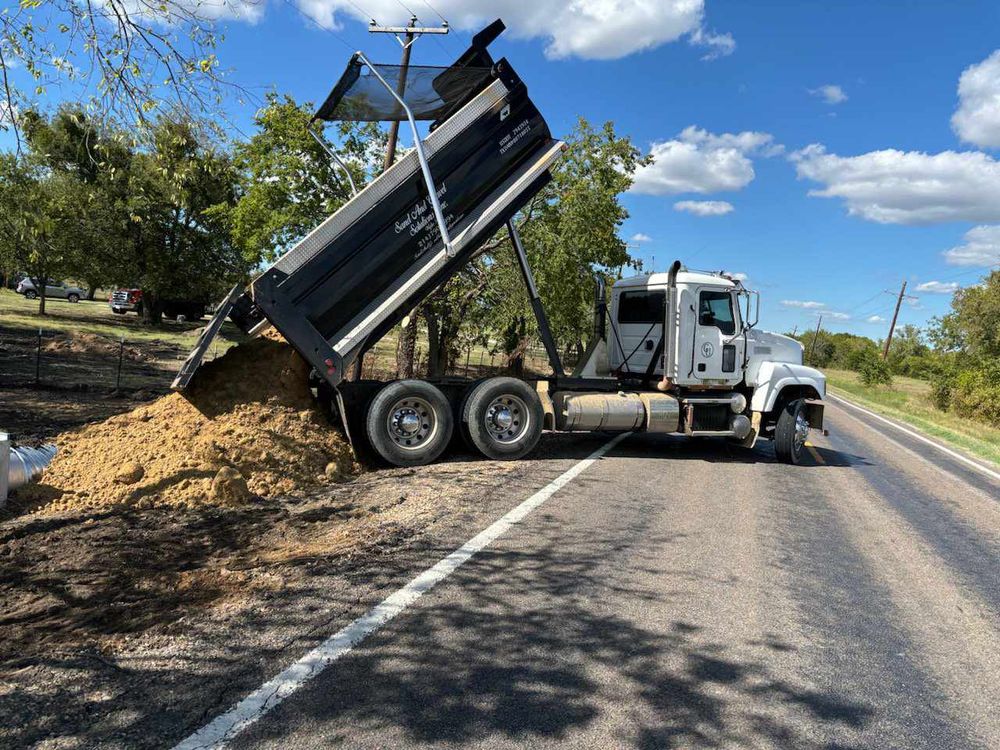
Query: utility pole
[[895, 315], [411, 31], [406, 345], [812, 348]]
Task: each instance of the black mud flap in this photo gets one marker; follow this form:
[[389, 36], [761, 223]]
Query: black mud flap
[[193, 361], [814, 414]]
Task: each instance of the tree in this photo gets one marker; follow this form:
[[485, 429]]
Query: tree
[[287, 183], [973, 325], [132, 60], [73, 145], [177, 195], [37, 212], [570, 234]]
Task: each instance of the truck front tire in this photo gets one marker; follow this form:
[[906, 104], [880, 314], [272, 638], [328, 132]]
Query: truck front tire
[[502, 418], [409, 423], [790, 432]]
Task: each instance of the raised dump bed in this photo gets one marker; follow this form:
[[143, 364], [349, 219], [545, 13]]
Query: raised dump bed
[[363, 269]]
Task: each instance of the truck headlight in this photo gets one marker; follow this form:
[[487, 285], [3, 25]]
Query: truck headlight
[[738, 403]]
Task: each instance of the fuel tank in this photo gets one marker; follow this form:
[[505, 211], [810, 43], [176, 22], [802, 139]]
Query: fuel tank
[[616, 412]]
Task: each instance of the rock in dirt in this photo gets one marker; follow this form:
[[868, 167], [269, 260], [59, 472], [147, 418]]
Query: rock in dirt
[[130, 473], [229, 487], [250, 410]]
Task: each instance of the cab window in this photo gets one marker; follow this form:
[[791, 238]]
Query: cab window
[[716, 309], [642, 307]]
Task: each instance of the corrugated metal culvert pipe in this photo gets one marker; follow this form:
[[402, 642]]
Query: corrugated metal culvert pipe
[[18, 466]]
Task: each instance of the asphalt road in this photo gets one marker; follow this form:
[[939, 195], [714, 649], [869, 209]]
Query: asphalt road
[[683, 594]]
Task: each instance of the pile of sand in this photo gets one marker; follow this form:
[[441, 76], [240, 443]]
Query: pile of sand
[[90, 343], [248, 427]]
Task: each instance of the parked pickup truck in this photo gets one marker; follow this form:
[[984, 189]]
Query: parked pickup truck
[[122, 301]]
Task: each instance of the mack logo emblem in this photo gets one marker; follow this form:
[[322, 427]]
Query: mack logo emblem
[[707, 350]]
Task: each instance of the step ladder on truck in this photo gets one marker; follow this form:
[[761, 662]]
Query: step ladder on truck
[[488, 152]]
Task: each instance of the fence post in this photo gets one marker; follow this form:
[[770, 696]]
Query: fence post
[[121, 356], [38, 357]]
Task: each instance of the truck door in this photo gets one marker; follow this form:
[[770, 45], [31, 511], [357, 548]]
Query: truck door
[[639, 323], [718, 345]]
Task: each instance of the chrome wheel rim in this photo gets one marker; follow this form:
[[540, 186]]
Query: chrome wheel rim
[[801, 432], [506, 418], [411, 423]]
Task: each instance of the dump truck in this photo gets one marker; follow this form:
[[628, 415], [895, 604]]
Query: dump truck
[[675, 352]]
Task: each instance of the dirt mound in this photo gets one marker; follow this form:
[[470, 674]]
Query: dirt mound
[[249, 427], [90, 343]]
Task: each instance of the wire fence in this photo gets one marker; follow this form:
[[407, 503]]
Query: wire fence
[[50, 359], [81, 361]]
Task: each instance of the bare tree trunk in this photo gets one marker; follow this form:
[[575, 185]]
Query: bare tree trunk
[[91, 290], [406, 346], [433, 344], [152, 309]]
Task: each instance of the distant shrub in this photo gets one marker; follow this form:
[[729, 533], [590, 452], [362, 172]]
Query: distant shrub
[[875, 371], [941, 393], [976, 393], [920, 366]]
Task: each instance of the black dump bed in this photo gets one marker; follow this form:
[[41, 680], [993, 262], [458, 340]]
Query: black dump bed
[[363, 269]]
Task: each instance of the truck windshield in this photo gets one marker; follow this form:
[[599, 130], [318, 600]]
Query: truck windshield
[[716, 309]]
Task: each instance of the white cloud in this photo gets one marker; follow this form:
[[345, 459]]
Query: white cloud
[[977, 119], [981, 248], [640, 237], [830, 93], [704, 208], [250, 11], [874, 319], [938, 287], [833, 314], [719, 45], [594, 29], [906, 187], [697, 161], [804, 304], [736, 275]]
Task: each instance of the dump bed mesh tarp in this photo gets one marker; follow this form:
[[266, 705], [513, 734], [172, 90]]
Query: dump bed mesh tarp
[[430, 92]]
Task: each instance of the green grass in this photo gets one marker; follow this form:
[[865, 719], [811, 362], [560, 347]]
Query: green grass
[[21, 315], [909, 400]]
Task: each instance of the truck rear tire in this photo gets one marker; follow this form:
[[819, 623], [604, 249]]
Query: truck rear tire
[[791, 432], [502, 418], [409, 423]]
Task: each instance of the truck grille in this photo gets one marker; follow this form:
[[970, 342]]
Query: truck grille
[[119, 298], [713, 417]]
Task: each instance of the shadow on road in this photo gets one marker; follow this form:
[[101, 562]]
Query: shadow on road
[[670, 447], [534, 646]]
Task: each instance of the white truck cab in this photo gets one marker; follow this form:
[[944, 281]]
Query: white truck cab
[[692, 335]]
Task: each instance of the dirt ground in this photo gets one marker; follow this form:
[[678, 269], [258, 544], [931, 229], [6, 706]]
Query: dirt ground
[[121, 629]]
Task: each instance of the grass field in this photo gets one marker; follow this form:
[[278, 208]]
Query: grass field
[[909, 400], [20, 314]]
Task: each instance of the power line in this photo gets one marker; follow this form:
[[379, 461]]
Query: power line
[[435, 11], [320, 26]]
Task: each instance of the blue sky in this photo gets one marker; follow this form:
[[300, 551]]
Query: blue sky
[[751, 104]]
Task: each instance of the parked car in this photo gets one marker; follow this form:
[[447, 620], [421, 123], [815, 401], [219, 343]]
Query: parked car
[[53, 290], [122, 301]]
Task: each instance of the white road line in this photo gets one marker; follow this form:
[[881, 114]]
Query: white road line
[[226, 726], [916, 435]]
